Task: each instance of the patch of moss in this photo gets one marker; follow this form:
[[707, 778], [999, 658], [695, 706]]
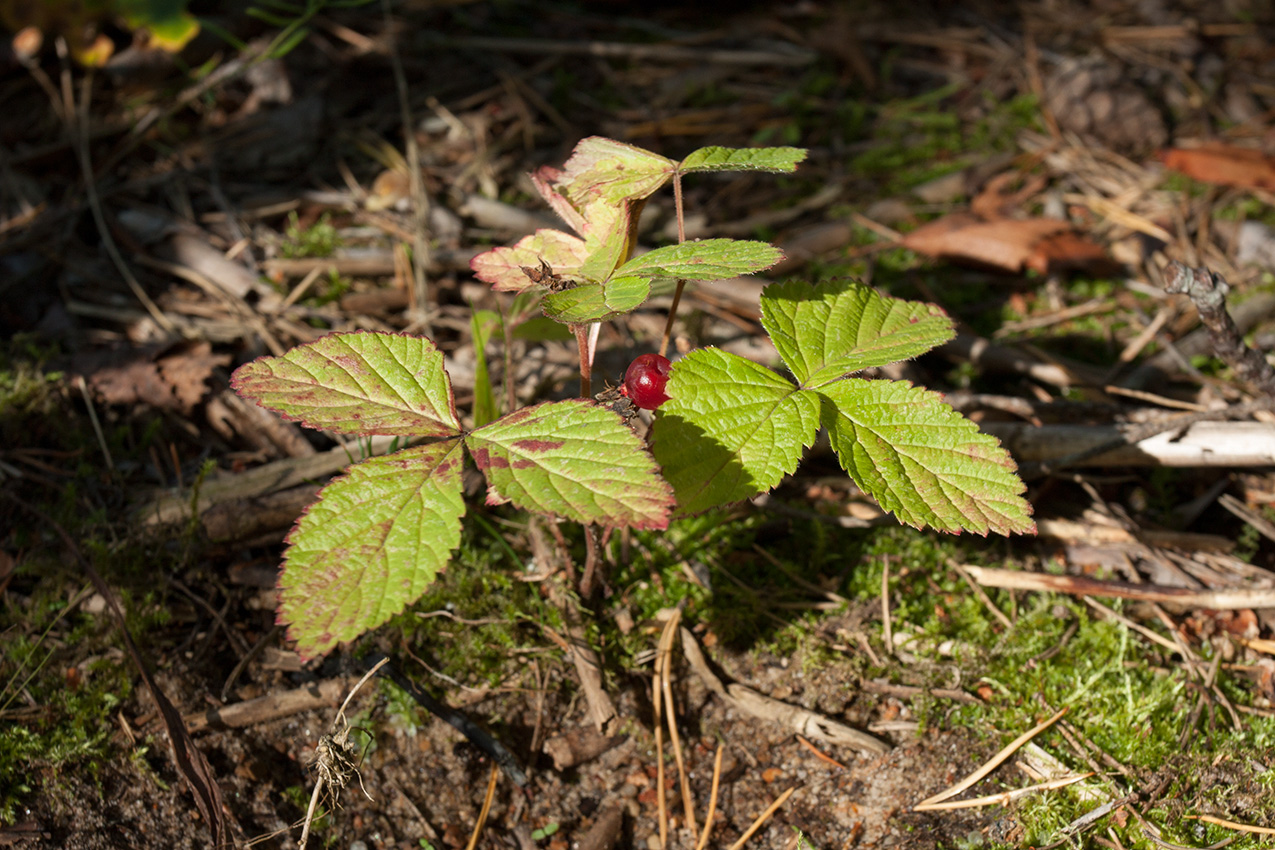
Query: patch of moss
[[320, 239], [58, 714], [477, 612]]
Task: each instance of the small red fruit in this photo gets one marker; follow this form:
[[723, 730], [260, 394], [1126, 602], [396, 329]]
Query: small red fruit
[[644, 381]]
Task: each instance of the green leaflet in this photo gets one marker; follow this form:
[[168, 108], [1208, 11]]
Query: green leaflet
[[597, 302], [830, 329], [921, 460], [357, 383], [730, 430], [371, 544], [777, 160], [574, 459], [706, 259], [602, 169]]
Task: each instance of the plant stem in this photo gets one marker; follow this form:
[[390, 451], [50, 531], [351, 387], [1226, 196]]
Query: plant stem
[[586, 362], [590, 561], [681, 284]]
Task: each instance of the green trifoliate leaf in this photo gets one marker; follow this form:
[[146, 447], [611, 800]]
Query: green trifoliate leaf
[[371, 544], [602, 169], [357, 383], [574, 459], [779, 160], [597, 302], [706, 259], [730, 429], [836, 327], [921, 460]]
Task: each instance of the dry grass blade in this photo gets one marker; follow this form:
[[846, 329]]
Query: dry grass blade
[[1106, 612], [666, 649], [712, 800], [81, 136], [657, 700], [982, 595], [486, 809], [188, 758], [762, 818], [819, 754], [992, 764], [1004, 798], [664, 693]]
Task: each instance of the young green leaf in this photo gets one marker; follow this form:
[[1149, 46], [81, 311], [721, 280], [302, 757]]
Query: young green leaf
[[707, 259], [833, 328], [921, 460], [730, 429], [371, 544], [777, 160], [357, 383], [597, 302], [574, 459], [602, 169]]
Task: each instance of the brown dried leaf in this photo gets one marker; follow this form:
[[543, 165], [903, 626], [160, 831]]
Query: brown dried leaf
[[170, 378], [1225, 165], [1009, 245]]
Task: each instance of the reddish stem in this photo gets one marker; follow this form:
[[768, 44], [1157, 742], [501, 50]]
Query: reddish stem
[[581, 332]]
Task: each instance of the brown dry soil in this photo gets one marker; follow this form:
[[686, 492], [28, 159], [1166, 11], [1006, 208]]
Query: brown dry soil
[[426, 781]]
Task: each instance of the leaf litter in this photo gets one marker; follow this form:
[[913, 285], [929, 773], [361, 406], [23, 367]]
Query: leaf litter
[[474, 136]]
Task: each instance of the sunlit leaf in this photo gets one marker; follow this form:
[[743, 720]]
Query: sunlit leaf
[[731, 429], [373, 542], [597, 302], [574, 459], [357, 383], [827, 330], [921, 460], [778, 160], [706, 259]]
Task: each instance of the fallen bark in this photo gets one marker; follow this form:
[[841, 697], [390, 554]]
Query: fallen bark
[[792, 717], [174, 505], [1200, 444]]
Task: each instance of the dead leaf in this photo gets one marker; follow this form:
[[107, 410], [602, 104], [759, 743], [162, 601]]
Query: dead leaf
[[1225, 165], [1070, 251], [169, 378], [1008, 245]]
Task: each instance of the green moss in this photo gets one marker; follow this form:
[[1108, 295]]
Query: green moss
[[477, 612], [318, 240], [68, 723]]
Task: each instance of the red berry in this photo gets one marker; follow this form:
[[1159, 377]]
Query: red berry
[[644, 381]]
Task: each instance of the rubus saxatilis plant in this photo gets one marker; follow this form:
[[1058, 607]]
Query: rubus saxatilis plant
[[725, 428]]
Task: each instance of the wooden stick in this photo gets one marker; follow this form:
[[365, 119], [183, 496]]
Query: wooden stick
[[1218, 600]]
